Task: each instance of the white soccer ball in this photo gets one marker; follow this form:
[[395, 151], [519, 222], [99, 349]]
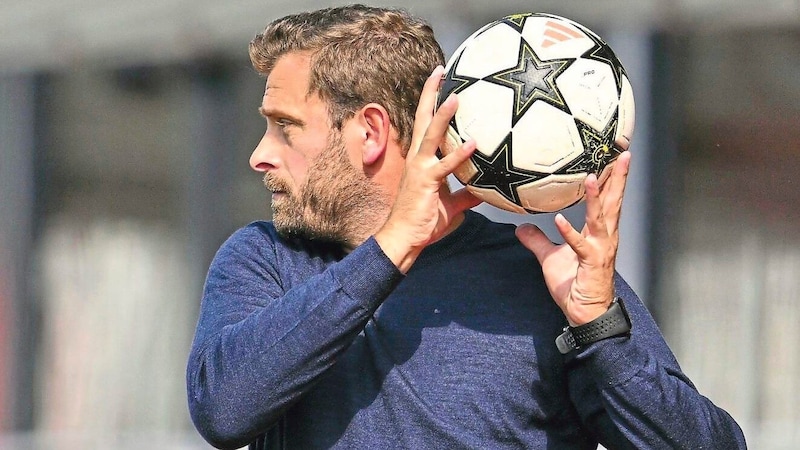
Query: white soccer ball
[[546, 101]]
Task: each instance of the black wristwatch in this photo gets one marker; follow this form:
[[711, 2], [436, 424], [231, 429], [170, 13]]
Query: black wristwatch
[[614, 322]]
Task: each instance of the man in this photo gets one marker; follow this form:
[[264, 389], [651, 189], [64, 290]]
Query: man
[[377, 311]]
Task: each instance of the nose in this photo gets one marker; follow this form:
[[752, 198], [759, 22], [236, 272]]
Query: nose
[[265, 156]]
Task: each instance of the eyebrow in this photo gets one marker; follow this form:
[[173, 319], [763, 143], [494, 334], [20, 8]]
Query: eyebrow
[[267, 112]]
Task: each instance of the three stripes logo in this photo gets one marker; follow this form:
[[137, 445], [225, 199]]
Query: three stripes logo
[[555, 33]]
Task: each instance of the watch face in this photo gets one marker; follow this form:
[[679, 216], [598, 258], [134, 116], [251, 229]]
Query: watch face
[[565, 342]]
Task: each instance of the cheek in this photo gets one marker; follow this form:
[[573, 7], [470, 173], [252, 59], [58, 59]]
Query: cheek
[[297, 165], [298, 170], [305, 156]]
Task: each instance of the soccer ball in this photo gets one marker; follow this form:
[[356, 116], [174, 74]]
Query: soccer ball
[[546, 101]]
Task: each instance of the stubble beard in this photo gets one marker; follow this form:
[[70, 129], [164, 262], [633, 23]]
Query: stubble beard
[[337, 203]]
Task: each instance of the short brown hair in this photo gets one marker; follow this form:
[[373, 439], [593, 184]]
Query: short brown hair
[[359, 55]]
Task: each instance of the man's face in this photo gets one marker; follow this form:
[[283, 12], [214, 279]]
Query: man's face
[[317, 191]]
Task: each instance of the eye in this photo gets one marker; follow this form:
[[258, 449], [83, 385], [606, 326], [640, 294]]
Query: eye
[[277, 124], [283, 123], [282, 127]]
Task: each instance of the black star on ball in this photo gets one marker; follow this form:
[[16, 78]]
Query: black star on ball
[[598, 148], [602, 52], [453, 83], [497, 172], [532, 79], [516, 21]]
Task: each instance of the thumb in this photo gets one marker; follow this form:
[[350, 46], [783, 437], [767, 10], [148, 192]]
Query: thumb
[[534, 239], [462, 200]]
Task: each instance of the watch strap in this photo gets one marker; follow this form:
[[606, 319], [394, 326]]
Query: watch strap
[[614, 322]]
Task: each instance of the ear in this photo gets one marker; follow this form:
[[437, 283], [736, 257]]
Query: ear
[[376, 129]]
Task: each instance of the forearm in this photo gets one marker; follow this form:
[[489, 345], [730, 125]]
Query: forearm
[[244, 373], [241, 380], [632, 393], [652, 404]]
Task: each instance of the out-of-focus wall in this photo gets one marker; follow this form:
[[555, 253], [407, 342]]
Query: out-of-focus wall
[[139, 174], [730, 304]]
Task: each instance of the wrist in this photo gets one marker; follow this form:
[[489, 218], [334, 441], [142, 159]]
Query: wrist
[[402, 245], [579, 315], [397, 249], [614, 322]]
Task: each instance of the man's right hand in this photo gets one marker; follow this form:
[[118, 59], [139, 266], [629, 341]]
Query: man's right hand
[[425, 209]]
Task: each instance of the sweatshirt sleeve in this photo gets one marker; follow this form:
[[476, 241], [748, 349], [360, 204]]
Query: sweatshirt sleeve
[[259, 346], [631, 392]]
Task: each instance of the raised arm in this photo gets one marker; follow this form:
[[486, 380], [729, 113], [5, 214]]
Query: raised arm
[[644, 399], [261, 343], [631, 392], [267, 330]]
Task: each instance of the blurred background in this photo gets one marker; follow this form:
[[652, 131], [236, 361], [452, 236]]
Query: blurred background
[[125, 132]]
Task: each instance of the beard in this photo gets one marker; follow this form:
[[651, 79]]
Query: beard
[[336, 203]]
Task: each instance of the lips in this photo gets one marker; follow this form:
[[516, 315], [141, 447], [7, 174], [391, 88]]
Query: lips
[[276, 185]]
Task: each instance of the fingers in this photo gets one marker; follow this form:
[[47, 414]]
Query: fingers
[[424, 155], [604, 205], [595, 220], [425, 107], [534, 239], [571, 236], [462, 200], [450, 162], [437, 126], [619, 173], [614, 191]]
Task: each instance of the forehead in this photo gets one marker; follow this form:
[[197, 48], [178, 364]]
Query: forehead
[[289, 79]]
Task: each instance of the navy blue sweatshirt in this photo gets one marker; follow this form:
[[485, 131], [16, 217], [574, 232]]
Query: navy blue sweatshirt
[[299, 345]]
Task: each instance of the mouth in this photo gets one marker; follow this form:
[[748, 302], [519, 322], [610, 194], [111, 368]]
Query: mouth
[[276, 186]]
